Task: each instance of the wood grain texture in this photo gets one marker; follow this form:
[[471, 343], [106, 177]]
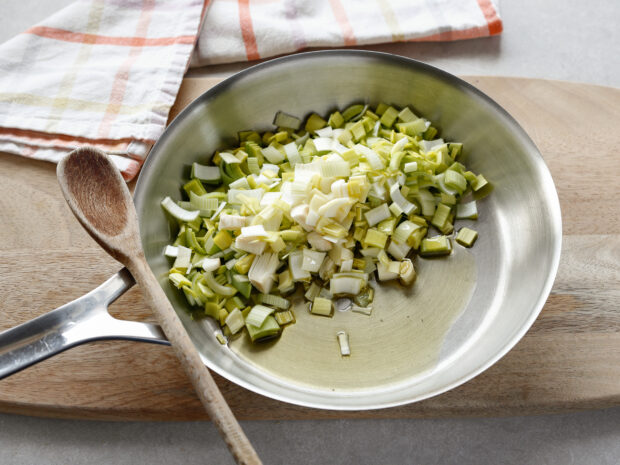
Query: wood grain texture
[[567, 361]]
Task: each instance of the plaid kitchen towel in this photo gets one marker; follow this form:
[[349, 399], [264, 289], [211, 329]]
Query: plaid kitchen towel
[[98, 73], [105, 73], [239, 30]]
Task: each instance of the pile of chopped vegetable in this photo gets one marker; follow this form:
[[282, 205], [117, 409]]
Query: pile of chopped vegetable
[[320, 205]]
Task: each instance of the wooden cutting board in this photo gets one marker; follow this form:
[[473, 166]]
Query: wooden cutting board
[[569, 360]]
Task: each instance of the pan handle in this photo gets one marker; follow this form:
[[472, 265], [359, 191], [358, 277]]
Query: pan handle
[[83, 320]]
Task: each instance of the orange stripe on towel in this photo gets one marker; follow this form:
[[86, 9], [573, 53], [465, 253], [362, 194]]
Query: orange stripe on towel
[[119, 85], [247, 30], [493, 22], [341, 16], [83, 38]]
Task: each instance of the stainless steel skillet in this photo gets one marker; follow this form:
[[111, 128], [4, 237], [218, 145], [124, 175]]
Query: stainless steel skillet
[[463, 314]]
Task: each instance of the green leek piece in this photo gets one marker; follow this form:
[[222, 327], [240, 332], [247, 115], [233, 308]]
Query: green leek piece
[[258, 314], [230, 172], [234, 302], [447, 228], [358, 131], [285, 282], [375, 238], [441, 215], [284, 120], [387, 226], [456, 148], [234, 321], [274, 301], [381, 108], [455, 180], [205, 173], [192, 242], [222, 315], [416, 238], [242, 266], [314, 122], [251, 136], [202, 202], [479, 183], [412, 128], [218, 288], [313, 291], [285, 317], [222, 239], [448, 199], [268, 330], [253, 165], [406, 115], [212, 309], [321, 306], [403, 231], [194, 186], [178, 280], [434, 246], [430, 133], [466, 237], [177, 212], [389, 117], [335, 120], [368, 123], [352, 111], [242, 284]]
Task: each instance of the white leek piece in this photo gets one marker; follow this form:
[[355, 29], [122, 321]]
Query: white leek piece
[[184, 255], [273, 154], [206, 173], [177, 212], [345, 285], [343, 342], [295, 263], [407, 273], [209, 264], [312, 260], [467, 211], [235, 321], [171, 251], [397, 197], [262, 272], [377, 214], [232, 222], [317, 242], [258, 314]]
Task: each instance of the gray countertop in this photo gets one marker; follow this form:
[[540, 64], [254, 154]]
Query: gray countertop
[[573, 40]]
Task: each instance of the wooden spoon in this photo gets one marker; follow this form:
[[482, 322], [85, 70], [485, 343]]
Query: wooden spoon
[[100, 199]]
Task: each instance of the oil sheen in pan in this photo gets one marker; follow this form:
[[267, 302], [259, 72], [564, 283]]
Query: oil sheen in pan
[[400, 340]]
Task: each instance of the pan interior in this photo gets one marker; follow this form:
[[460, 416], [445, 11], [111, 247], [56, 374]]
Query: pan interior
[[463, 313]]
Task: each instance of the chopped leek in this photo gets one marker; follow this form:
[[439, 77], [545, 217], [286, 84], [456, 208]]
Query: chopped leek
[[323, 202], [343, 342], [321, 306], [269, 329], [438, 245], [235, 321], [466, 237], [258, 314]]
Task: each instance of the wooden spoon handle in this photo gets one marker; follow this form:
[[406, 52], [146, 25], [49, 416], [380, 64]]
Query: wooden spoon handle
[[203, 382]]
